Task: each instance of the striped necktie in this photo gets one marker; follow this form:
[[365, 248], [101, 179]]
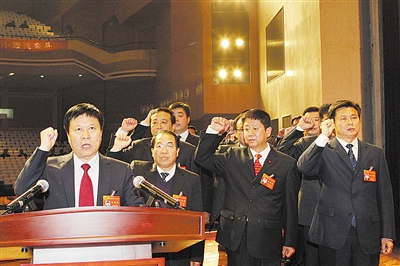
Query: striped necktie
[[257, 164], [351, 155]]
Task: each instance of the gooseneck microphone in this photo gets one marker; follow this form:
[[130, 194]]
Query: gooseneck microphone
[[41, 187], [140, 182]]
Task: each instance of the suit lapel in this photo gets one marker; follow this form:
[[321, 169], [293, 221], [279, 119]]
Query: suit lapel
[[104, 180], [341, 152], [363, 153], [249, 162], [67, 178], [178, 181], [269, 161]]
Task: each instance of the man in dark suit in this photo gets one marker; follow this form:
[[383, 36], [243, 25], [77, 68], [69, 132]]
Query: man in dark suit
[[182, 114], [161, 119], [166, 175], [294, 143], [84, 125], [354, 219], [258, 224]]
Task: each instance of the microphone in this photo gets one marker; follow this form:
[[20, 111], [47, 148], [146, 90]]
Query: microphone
[[41, 187], [140, 182]]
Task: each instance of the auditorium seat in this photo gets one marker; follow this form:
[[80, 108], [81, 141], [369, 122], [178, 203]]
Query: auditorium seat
[[35, 29]]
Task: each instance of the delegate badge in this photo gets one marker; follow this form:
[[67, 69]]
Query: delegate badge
[[109, 200], [268, 181], [181, 199], [370, 175]]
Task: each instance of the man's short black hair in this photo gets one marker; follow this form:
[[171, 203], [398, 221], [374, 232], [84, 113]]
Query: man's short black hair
[[83, 109], [323, 110], [153, 139], [260, 115], [343, 103], [311, 109], [185, 107], [168, 111]]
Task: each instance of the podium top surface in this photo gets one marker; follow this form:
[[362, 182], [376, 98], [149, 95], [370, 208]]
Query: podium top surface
[[85, 226]]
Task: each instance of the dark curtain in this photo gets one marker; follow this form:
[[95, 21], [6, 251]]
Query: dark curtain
[[391, 61]]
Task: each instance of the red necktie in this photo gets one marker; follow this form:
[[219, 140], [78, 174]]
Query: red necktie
[[257, 164], [86, 189]]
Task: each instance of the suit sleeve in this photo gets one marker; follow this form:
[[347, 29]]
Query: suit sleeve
[[34, 169], [130, 197], [309, 162], [293, 182], [385, 200], [288, 140], [204, 154]]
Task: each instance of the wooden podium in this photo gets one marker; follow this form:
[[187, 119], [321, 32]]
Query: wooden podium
[[163, 230]]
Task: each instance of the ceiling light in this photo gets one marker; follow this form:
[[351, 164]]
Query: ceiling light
[[225, 43], [42, 76], [237, 73], [239, 42], [222, 73]]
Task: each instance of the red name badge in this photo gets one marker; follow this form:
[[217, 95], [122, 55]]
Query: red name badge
[[111, 200], [370, 175], [268, 181], [181, 199]]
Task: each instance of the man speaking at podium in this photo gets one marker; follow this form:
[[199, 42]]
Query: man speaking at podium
[[82, 177], [182, 184]]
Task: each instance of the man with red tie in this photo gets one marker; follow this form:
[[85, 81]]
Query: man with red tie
[[82, 177], [258, 223]]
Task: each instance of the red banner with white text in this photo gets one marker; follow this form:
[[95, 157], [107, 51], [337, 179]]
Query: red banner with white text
[[16, 45]]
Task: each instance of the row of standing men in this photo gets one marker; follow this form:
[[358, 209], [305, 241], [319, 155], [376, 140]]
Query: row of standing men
[[257, 210]]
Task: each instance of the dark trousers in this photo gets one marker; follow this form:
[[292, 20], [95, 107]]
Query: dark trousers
[[241, 256], [349, 254], [307, 253]]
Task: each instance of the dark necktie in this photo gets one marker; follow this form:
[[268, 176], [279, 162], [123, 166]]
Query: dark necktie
[[257, 164], [86, 189], [351, 155], [164, 176]]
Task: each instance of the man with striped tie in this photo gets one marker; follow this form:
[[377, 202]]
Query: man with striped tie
[[258, 223]]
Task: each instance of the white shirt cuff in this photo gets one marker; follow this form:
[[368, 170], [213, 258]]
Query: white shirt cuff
[[211, 131], [321, 140]]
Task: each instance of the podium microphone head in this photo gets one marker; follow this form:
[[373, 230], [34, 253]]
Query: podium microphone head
[[44, 184], [138, 180]]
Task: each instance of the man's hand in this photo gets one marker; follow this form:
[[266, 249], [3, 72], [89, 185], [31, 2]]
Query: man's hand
[[195, 263], [287, 252], [220, 124], [387, 246], [306, 123], [121, 141], [148, 117], [129, 124], [48, 138], [327, 127]]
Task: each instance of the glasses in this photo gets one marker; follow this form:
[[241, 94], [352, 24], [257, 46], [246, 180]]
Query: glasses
[[168, 146]]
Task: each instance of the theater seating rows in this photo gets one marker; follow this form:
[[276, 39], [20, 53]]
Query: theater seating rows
[[35, 29], [19, 145]]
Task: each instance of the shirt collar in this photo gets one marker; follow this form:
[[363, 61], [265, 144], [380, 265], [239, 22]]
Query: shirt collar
[[264, 153], [171, 172], [92, 162], [184, 135]]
